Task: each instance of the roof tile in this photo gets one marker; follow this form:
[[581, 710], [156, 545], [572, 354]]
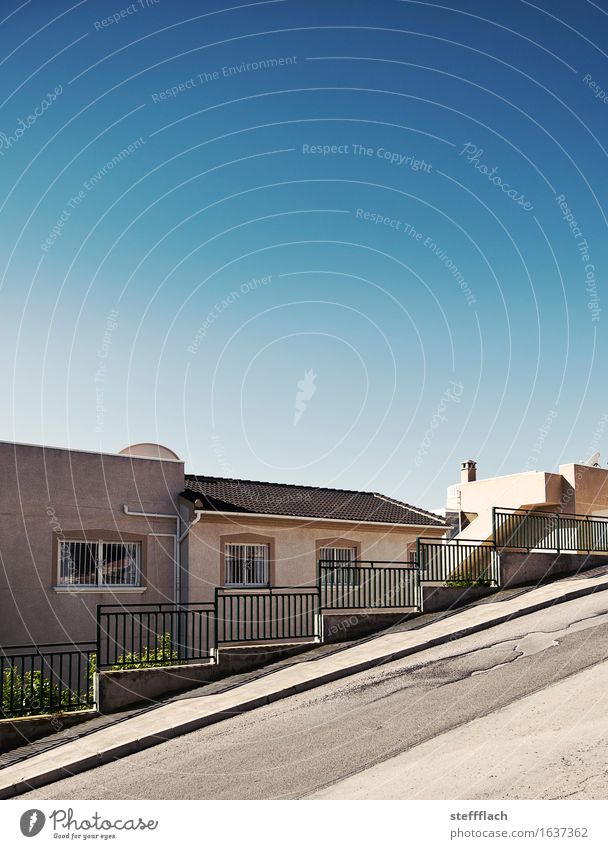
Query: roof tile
[[279, 499]]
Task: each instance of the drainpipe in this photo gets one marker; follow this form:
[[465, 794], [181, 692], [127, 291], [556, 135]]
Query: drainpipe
[[174, 537], [198, 515]]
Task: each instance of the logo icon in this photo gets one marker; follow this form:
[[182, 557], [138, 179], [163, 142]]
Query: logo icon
[[32, 822], [306, 389]]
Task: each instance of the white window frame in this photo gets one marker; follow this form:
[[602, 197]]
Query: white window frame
[[99, 547], [263, 564], [333, 560]]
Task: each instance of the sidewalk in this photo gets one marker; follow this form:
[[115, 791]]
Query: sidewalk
[[182, 715]]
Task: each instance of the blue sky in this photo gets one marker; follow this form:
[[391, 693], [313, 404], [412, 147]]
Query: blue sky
[[386, 217]]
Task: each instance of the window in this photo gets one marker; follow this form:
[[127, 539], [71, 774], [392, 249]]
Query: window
[[339, 559], [99, 563], [246, 564]]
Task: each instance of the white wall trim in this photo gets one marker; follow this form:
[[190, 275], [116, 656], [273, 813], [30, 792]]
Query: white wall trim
[[348, 522], [116, 590]]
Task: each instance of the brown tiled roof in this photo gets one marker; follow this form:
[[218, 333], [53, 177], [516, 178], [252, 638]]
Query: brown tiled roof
[[227, 495]]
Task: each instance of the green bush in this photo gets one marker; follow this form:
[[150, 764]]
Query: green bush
[[164, 655], [469, 582], [32, 693], [27, 693]]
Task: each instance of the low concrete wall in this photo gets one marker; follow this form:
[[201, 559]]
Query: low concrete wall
[[518, 568], [344, 625], [23, 730], [445, 598], [128, 687]]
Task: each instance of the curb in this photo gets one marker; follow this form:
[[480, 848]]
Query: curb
[[85, 763]]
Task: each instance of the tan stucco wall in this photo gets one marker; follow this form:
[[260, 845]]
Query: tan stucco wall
[[529, 489], [585, 490], [49, 491], [294, 547], [575, 489]]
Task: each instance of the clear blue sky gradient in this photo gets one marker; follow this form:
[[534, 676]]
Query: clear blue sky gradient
[[441, 318]]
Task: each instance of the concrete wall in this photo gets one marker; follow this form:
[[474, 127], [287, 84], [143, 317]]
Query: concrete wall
[[15, 733], [436, 598], [518, 568], [294, 546], [47, 493], [341, 626], [120, 689]]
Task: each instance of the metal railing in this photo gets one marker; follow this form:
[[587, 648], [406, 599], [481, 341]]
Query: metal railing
[[536, 529], [369, 584], [467, 561], [50, 678], [269, 613], [131, 636]]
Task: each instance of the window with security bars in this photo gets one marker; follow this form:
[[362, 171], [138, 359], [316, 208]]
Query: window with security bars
[[336, 561], [99, 563], [246, 564]]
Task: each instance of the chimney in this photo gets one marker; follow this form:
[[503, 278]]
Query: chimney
[[468, 471]]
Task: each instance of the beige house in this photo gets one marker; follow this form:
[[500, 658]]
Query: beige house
[[68, 543], [574, 489], [80, 528], [251, 533]]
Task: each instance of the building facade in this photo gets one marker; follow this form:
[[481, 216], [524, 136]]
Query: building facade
[[79, 528]]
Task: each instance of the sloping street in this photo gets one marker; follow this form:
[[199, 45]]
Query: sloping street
[[485, 716]]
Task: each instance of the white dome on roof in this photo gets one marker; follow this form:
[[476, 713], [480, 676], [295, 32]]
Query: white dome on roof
[[149, 449]]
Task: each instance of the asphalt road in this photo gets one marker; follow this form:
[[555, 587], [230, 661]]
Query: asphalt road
[[470, 695]]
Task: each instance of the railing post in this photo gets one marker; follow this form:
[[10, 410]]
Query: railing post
[[494, 528], [212, 649], [319, 581], [318, 615], [98, 638], [216, 607], [558, 534]]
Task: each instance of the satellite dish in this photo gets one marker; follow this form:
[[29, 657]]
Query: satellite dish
[[150, 450], [594, 460]]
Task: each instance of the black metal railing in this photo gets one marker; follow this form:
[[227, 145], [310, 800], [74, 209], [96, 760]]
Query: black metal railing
[[457, 561], [537, 529], [132, 636], [263, 614], [50, 678], [368, 584]]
